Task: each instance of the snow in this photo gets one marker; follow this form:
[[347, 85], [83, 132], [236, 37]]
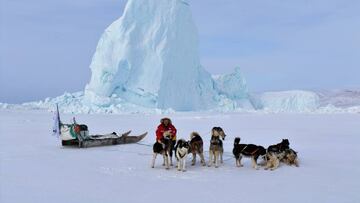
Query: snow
[[149, 57], [36, 168]]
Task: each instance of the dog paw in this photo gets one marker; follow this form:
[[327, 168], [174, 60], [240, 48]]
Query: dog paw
[[184, 170], [179, 169], [193, 164], [216, 166]]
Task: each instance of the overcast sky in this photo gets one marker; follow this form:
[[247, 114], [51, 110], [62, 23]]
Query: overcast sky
[[46, 46]]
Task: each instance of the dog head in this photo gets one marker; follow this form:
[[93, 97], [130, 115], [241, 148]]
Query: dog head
[[218, 132], [167, 134], [166, 138], [183, 145], [237, 141], [285, 143]]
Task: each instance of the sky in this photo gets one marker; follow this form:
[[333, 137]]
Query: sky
[[46, 46]]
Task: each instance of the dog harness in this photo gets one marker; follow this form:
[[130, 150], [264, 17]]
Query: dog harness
[[252, 153]]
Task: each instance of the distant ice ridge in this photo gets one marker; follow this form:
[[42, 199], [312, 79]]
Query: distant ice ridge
[[74, 103], [268, 102], [150, 57], [288, 101]]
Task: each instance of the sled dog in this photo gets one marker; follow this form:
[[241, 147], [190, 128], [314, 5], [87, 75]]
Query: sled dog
[[196, 148], [247, 150], [216, 146], [275, 153], [164, 148], [181, 152], [290, 157]]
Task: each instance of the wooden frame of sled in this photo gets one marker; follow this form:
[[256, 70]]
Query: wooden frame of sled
[[103, 140]]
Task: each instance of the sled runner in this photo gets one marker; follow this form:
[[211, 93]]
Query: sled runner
[[78, 135]]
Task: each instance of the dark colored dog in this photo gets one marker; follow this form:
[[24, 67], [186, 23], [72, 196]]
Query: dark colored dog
[[164, 148], [282, 146], [247, 150], [197, 147]]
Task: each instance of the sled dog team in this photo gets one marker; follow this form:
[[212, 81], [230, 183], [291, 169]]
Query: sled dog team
[[166, 143]]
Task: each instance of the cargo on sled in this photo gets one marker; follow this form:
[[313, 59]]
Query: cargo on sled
[[78, 135]]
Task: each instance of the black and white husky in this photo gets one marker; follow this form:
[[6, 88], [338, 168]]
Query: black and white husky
[[181, 152], [164, 148], [247, 150]]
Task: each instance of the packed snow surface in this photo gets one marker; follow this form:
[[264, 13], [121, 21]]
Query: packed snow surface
[[36, 168]]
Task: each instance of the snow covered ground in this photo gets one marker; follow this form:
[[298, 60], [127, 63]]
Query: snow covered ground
[[34, 167]]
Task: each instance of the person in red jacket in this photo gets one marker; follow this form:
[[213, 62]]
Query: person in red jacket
[[166, 126]]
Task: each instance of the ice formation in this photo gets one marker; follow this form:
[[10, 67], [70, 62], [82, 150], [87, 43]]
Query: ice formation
[[289, 101], [233, 85], [150, 57]]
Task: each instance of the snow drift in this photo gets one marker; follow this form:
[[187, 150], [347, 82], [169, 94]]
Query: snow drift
[[150, 57]]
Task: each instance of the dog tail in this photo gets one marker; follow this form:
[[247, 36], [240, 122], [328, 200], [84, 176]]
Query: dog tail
[[236, 140]]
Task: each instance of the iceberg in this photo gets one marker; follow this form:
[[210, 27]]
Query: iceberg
[[150, 57], [289, 101]]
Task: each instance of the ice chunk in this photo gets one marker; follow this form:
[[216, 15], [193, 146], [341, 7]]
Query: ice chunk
[[233, 85]]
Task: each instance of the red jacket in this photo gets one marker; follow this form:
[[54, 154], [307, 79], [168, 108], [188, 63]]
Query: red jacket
[[162, 128]]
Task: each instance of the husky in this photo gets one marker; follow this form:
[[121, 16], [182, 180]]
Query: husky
[[276, 153], [181, 151], [273, 159], [216, 146], [164, 148], [247, 150], [196, 147], [280, 147], [290, 158]]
